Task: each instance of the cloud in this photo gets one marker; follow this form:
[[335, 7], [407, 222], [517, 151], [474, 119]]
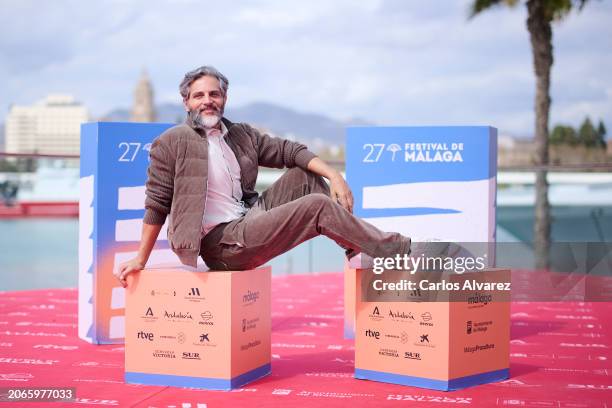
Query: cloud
[[387, 61]]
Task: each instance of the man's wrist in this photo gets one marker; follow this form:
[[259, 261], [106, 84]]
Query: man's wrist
[[142, 260], [335, 175]]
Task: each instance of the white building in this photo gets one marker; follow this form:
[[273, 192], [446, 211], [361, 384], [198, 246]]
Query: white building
[[50, 126]]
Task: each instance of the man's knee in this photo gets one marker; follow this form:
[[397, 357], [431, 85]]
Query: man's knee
[[317, 201]]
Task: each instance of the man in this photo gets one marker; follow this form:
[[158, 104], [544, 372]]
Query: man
[[203, 173]]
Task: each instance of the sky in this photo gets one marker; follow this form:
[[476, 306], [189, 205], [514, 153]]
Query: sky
[[390, 62]]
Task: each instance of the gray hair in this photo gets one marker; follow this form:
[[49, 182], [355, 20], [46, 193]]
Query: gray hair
[[198, 73]]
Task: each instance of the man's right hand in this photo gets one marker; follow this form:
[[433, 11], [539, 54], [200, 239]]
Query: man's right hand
[[133, 265]]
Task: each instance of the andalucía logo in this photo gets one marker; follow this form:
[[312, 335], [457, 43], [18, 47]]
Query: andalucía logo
[[401, 316], [174, 316], [250, 297]]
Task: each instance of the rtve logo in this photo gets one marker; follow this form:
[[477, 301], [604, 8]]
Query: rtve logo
[[145, 335], [372, 333]]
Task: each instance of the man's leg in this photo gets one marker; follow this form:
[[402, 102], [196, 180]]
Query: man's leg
[[268, 233], [295, 183]]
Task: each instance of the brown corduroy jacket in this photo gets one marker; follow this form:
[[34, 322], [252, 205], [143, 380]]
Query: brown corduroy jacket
[[178, 177]]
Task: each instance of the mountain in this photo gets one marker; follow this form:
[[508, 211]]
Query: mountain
[[316, 130]]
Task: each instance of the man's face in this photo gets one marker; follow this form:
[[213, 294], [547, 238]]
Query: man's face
[[206, 101]]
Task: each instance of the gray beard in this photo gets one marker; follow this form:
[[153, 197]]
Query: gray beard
[[204, 121]]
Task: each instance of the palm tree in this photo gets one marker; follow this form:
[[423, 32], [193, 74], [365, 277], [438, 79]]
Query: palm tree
[[540, 15]]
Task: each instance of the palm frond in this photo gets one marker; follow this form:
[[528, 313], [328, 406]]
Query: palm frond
[[479, 6]]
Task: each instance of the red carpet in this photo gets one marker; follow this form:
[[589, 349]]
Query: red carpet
[[560, 357]]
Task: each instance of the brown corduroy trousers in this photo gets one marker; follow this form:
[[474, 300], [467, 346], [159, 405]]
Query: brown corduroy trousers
[[296, 208]]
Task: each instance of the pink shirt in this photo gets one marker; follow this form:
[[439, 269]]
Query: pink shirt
[[224, 198]]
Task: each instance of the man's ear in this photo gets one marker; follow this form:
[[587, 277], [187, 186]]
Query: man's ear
[[185, 105]]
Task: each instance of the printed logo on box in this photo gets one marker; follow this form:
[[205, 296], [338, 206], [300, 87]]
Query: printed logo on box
[[194, 295], [411, 355], [479, 300], [372, 333], [426, 319], [250, 298], [388, 352], [157, 292], [478, 347], [401, 316], [375, 315], [164, 354], [149, 316], [145, 336], [424, 341], [178, 316], [473, 327], [190, 356], [248, 324], [250, 345], [206, 317], [204, 340]]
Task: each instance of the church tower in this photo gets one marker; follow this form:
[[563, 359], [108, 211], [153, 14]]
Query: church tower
[[143, 109]]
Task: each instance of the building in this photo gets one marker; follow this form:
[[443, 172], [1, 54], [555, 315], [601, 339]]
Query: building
[[143, 109], [51, 126]]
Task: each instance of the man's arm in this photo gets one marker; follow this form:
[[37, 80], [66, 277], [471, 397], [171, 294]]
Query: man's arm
[[340, 191], [147, 241], [277, 152]]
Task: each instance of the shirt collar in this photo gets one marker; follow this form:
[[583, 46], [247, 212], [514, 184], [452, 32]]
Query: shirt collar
[[216, 132]]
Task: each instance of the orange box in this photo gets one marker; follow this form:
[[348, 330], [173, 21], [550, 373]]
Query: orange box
[[197, 329], [443, 345]]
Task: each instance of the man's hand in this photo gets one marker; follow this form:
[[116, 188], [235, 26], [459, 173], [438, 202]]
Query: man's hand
[[341, 192], [133, 265]]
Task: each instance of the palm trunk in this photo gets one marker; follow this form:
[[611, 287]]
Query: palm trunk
[[540, 33]]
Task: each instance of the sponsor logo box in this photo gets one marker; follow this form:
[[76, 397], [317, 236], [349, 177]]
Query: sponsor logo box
[[451, 341], [197, 329], [424, 182]]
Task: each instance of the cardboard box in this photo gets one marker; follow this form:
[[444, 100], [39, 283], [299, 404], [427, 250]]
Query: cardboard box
[[198, 329], [445, 344], [424, 182]]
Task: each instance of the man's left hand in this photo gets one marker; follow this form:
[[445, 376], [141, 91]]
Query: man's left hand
[[341, 192]]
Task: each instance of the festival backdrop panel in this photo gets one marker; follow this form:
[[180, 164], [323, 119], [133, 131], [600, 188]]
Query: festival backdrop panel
[[114, 162], [434, 182]]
